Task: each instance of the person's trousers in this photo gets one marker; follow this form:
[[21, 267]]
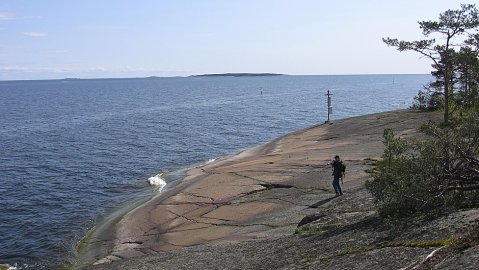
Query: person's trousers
[[336, 186]]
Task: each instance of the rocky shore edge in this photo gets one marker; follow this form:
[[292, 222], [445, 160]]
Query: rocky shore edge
[[273, 207]]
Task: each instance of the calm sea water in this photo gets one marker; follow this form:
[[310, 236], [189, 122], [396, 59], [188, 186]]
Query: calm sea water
[[72, 151]]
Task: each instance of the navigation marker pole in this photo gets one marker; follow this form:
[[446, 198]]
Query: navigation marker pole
[[330, 107]]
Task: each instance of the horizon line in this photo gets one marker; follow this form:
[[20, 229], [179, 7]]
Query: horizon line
[[231, 74]]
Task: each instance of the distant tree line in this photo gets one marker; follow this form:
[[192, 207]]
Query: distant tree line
[[441, 172]]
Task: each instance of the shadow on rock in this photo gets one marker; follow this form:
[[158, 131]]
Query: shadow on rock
[[310, 218], [318, 204], [372, 225]]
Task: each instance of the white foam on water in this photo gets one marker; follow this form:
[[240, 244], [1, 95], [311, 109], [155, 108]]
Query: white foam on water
[[8, 267], [157, 181], [173, 175]]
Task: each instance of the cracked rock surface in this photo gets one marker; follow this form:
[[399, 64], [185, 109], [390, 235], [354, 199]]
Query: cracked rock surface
[[242, 212]]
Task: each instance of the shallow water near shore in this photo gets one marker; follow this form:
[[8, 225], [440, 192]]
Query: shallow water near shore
[[73, 151]]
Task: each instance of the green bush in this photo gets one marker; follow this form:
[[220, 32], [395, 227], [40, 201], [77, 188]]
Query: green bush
[[428, 177], [400, 184]]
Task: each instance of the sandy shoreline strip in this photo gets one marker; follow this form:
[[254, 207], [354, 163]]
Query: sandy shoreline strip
[[216, 202]]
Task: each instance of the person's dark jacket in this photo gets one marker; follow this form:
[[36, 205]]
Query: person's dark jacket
[[337, 168]]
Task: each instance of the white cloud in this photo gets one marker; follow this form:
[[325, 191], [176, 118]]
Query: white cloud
[[34, 69], [153, 69], [6, 16], [97, 70], [35, 34]]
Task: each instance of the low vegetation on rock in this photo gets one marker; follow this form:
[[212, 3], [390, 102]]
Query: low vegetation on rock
[[429, 176], [440, 172]]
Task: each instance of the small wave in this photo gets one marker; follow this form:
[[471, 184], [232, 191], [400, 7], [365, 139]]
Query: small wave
[[157, 181], [8, 267], [210, 160]]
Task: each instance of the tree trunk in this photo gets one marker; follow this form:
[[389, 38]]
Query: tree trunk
[[446, 97], [446, 80]]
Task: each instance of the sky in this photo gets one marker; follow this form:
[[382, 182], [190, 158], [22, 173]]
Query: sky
[[52, 39]]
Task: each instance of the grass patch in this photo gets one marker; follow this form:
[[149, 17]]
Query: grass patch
[[432, 243], [4, 267], [309, 230]]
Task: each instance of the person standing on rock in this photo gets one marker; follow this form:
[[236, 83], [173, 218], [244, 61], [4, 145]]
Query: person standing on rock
[[338, 170]]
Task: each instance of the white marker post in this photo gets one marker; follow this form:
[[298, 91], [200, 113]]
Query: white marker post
[[330, 107]]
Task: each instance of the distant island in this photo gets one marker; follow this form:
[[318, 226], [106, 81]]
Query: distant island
[[237, 75]]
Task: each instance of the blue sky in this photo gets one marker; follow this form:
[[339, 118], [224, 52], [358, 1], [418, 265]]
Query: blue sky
[[116, 38]]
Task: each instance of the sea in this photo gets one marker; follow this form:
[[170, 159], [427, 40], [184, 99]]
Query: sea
[[74, 151]]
